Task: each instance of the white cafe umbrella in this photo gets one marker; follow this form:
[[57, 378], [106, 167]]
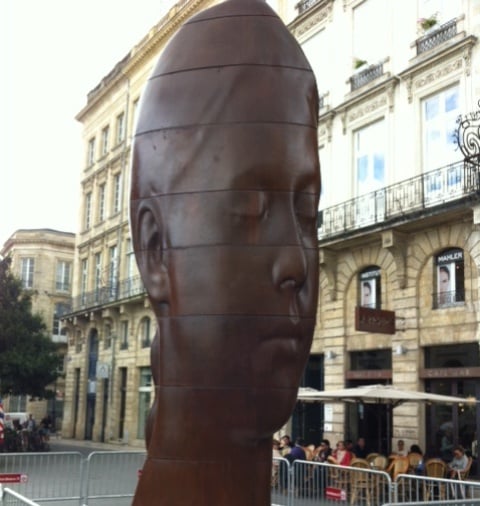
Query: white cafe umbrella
[[378, 394]]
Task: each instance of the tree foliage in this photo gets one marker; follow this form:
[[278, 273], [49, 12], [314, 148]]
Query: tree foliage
[[28, 358]]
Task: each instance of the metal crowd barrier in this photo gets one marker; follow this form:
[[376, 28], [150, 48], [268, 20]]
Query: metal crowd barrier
[[412, 488], [110, 478], [306, 483], [9, 497], [68, 479], [45, 477]]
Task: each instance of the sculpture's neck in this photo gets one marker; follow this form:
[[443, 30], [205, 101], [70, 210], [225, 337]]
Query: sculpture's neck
[[241, 477]]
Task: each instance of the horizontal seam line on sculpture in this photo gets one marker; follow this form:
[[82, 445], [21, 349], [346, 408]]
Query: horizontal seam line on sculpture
[[239, 246], [224, 190], [230, 65], [227, 16], [236, 316], [226, 123]]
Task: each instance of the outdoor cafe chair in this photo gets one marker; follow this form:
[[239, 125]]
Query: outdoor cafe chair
[[414, 460], [360, 482], [434, 468]]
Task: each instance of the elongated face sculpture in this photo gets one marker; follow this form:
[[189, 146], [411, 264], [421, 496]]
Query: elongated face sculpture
[[225, 185]]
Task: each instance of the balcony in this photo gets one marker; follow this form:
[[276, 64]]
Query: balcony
[[448, 299], [437, 36], [365, 76], [429, 192], [304, 5], [109, 294]]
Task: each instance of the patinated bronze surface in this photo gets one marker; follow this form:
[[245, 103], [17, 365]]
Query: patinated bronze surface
[[225, 185]]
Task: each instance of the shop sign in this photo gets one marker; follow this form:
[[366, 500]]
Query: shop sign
[[374, 320]]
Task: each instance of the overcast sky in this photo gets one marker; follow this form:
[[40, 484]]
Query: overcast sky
[[52, 53]]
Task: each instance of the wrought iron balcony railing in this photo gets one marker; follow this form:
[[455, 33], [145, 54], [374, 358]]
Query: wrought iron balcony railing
[[304, 5], [436, 37], [109, 294], [363, 77], [448, 299], [401, 200]]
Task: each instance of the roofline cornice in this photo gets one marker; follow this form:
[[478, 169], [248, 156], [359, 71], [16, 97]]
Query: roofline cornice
[[158, 35]]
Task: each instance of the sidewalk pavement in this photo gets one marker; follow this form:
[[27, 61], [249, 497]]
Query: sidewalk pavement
[[95, 445]]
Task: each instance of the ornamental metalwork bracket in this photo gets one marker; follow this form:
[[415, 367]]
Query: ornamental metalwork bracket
[[467, 136]]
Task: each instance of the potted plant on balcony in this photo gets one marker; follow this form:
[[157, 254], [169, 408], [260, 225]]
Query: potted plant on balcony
[[359, 64], [427, 25]]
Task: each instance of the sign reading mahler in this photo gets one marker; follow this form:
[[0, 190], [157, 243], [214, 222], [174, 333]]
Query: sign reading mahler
[[447, 275]]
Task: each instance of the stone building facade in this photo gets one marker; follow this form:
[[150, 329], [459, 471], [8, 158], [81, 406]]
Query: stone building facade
[[398, 214], [43, 260], [398, 209]]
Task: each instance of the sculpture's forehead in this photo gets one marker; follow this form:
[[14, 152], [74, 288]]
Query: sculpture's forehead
[[263, 157]]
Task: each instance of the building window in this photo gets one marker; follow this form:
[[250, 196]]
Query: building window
[[27, 270], [60, 309], [369, 145], [144, 399], [62, 283], [120, 128], [113, 271], [441, 10], [124, 335], [367, 48], [91, 152], [439, 114], [449, 278], [135, 111], [145, 332], [105, 132], [107, 333], [369, 159], [117, 192], [88, 210], [101, 202], [84, 282], [370, 289], [98, 275], [78, 342]]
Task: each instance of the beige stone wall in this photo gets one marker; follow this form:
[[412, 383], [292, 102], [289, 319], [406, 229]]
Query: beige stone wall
[[417, 323], [47, 248]]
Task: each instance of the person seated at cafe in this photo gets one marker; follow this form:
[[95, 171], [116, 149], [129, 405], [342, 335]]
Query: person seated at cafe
[[323, 451], [360, 449], [341, 455], [297, 452], [458, 463], [285, 445], [415, 449], [401, 451]]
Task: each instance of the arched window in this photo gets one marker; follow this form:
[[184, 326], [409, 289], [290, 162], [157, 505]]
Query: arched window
[[449, 278], [370, 288], [145, 332]]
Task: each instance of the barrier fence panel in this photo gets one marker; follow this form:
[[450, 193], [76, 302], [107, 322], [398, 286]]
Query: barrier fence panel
[[111, 477], [320, 483], [412, 488], [44, 477], [9, 497], [281, 472]]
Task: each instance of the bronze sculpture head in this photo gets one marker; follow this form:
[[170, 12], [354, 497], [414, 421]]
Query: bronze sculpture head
[[225, 185]]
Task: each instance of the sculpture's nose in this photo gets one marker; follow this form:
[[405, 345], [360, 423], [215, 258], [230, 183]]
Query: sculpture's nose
[[290, 268]]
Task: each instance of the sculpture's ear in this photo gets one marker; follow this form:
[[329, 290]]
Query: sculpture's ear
[[150, 257]]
